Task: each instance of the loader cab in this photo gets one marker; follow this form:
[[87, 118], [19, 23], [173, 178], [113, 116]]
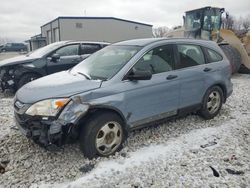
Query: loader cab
[[203, 23]]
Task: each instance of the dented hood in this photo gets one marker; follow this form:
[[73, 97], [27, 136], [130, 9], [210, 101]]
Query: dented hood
[[17, 60], [62, 84]]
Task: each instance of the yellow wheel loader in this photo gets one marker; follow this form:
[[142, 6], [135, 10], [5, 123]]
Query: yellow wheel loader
[[205, 23]]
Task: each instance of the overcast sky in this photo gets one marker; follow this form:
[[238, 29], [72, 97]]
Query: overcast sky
[[21, 19]]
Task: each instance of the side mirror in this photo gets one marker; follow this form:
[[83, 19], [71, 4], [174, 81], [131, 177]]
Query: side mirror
[[55, 58], [139, 75]]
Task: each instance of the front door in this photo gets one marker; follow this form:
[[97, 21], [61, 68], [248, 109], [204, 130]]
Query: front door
[[157, 98], [69, 57]]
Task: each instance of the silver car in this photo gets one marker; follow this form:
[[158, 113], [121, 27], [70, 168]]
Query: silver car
[[123, 87]]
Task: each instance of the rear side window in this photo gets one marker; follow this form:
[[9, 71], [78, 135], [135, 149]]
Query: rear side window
[[89, 48], [190, 55], [160, 59], [213, 56], [69, 50]]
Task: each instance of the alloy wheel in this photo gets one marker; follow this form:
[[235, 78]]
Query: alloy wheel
[[109, 138], [213, 102]]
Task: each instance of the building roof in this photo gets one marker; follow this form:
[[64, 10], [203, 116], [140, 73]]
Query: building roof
[[37, 37], [97, 18]]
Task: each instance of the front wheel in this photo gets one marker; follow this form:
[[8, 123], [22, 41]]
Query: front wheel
[[212, 102], [102, 135]]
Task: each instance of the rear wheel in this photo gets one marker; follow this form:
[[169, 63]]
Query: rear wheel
[[212, 102], [26, 79], [233, 56], [102, 135]]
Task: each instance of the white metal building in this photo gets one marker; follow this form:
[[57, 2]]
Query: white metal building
[[108, 29]]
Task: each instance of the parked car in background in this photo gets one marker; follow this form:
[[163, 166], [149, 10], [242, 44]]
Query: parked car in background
[[13, 47], [123, 87], [58, 56]]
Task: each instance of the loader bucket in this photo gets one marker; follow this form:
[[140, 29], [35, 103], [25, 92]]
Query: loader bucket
[[178, 33], [234, 41], [246, 41]]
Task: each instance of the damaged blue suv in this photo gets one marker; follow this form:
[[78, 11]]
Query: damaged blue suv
[[123, 87]]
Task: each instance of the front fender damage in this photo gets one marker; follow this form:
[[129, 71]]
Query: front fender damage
[[53, 132]]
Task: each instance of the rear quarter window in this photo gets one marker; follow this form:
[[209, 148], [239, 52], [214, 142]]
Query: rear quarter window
[[213, 56]]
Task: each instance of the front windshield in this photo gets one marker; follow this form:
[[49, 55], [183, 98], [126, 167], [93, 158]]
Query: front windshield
[[45, 50], [193, 20], [105, 63]]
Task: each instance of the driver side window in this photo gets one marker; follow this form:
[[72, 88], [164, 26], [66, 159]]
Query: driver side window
[[69, 50], [158, 60]]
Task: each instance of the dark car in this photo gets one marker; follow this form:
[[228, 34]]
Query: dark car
[[13, 47], [123, 87], [59, 56]]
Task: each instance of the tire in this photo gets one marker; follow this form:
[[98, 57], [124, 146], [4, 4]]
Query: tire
[[233, 56], [108, 128], [26, 79], [244, 70], [212, 102]]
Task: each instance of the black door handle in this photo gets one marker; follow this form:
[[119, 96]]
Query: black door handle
[[170, 77], [207, 69]]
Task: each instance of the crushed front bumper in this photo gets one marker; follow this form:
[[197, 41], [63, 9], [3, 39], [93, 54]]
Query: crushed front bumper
[[54, 131], [43, 132], [6, 80]]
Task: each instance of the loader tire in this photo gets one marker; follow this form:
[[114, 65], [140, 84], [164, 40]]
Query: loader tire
[[233, 56], [244, 70]]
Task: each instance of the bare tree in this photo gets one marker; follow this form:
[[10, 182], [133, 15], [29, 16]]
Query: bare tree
[[246, 22], [160, 31], [237, 25], [228, 22]]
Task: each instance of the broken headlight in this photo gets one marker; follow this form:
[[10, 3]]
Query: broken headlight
[[49, 107]]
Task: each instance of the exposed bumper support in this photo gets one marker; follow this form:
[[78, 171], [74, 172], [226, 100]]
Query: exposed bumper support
[[45, 133], [6, 81], [52, 132]]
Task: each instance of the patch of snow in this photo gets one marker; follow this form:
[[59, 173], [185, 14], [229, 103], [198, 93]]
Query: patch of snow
[[173, 149], [167, 155]]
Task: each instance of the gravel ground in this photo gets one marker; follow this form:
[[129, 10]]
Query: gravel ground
[[180, 153]]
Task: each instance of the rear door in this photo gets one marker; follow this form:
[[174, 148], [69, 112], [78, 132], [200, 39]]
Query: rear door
[[69, 57], [86, 49], [191, 68]]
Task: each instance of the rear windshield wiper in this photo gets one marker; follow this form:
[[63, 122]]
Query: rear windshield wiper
[[85, 75]]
